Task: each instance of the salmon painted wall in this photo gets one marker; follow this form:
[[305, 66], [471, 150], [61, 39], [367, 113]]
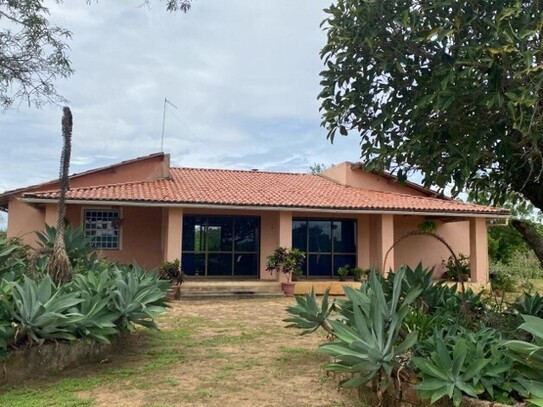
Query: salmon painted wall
[[356, 177], [426, 249]]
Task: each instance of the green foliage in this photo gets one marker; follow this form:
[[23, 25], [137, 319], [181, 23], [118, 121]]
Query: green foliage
[[503, 243], [502, 280], [424, 95], [286, 261], [171, 270], [13, 257], [138, 296], [359, 272], [343, 272], [528, 358], [42, 311], [367, 341], [522, 265], [308, 315], [464, 363], [95, 305], [457, 270], [78, 246], [530, 304]]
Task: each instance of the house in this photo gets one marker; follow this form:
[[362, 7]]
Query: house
[[223, 223]]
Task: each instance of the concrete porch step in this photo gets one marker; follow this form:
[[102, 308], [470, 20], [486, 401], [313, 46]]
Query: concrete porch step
[[197, 290]]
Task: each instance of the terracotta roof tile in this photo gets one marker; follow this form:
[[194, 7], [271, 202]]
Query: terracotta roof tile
[[271, 189]]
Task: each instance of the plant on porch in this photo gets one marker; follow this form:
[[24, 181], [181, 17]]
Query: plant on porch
[[286, 261]]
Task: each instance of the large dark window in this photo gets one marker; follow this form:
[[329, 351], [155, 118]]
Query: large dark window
[[328, 244], [220, 245]]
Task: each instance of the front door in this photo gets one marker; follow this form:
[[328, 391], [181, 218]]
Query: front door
[[221, 246]]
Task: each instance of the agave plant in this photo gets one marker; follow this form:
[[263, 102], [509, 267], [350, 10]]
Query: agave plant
[[530, 304], [368, 340], [78, 245], [528, 359], [308, 315], [138, 297], [42, 311], [461, 362]]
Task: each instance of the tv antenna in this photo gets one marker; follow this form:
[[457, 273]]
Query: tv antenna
[[166, 102]]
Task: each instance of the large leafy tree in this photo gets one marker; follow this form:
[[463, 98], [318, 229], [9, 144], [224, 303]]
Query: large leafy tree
[[34, 53], [452, 89]]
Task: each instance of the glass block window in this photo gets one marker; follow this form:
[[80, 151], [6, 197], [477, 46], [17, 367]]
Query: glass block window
[[102, 226]]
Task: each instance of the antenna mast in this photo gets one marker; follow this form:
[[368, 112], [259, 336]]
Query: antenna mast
[[166, 101]]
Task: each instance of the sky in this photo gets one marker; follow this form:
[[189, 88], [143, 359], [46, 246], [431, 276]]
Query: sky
[[243, 74]]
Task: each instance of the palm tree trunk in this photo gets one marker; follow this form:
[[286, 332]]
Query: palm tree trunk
[[59, 267]]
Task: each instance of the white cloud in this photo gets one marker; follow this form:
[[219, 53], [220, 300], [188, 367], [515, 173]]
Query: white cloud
[[243, 74]]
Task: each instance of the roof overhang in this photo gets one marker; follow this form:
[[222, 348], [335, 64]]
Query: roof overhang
[[152, 204]]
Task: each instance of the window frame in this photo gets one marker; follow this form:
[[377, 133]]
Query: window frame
[[332, 253], [85, 210]]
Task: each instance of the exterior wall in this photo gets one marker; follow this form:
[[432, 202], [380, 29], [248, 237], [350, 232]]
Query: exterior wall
[[357, 178], [425, 249], [24, 220]]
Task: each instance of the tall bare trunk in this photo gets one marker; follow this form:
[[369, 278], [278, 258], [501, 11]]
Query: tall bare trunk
[[59, 267]]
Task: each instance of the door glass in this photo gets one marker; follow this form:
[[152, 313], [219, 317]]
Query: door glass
[[320, 236], [219, 234]]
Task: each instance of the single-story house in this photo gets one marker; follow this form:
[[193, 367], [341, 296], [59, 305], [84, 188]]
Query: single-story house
[[224, 223]]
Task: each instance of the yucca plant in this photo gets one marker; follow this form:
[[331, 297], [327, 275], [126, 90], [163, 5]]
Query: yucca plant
[[368, 342], [42, 311], [308, 315], [138, 297]]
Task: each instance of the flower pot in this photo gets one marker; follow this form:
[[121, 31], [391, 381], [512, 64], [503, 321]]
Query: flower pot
[[175, 292], [288, 289]]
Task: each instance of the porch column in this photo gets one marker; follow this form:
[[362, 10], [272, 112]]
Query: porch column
[[387, 240], [173, 233], [478, 241], [363, 241], [285, 235]]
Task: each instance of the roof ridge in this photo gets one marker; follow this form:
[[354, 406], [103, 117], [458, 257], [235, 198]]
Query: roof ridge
[[241, 170]]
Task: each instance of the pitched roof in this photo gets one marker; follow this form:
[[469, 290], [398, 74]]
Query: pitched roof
[[191, 186]]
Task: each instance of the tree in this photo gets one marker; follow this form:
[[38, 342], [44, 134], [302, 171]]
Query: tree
[[452, 89], [59, 267], [34, 54]]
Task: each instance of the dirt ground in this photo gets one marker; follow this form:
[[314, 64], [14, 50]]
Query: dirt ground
[[222, 353]]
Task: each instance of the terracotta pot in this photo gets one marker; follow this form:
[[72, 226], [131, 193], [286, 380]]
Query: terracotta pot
[[288, 289], [175, 292]]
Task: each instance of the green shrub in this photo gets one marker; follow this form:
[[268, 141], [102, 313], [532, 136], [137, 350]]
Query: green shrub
[[13, 257], [521, 265]]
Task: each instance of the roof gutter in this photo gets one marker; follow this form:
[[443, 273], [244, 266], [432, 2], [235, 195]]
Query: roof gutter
[[270, 208]]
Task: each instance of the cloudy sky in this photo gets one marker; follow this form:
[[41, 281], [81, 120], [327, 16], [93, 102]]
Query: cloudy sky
[[244, 75]]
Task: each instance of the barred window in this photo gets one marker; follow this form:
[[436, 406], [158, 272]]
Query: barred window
[[103, 228]]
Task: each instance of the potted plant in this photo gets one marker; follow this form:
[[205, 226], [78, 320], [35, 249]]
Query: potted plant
[[457, 270], [286, 261], [343, 272], [171, 270], [360, 273]]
